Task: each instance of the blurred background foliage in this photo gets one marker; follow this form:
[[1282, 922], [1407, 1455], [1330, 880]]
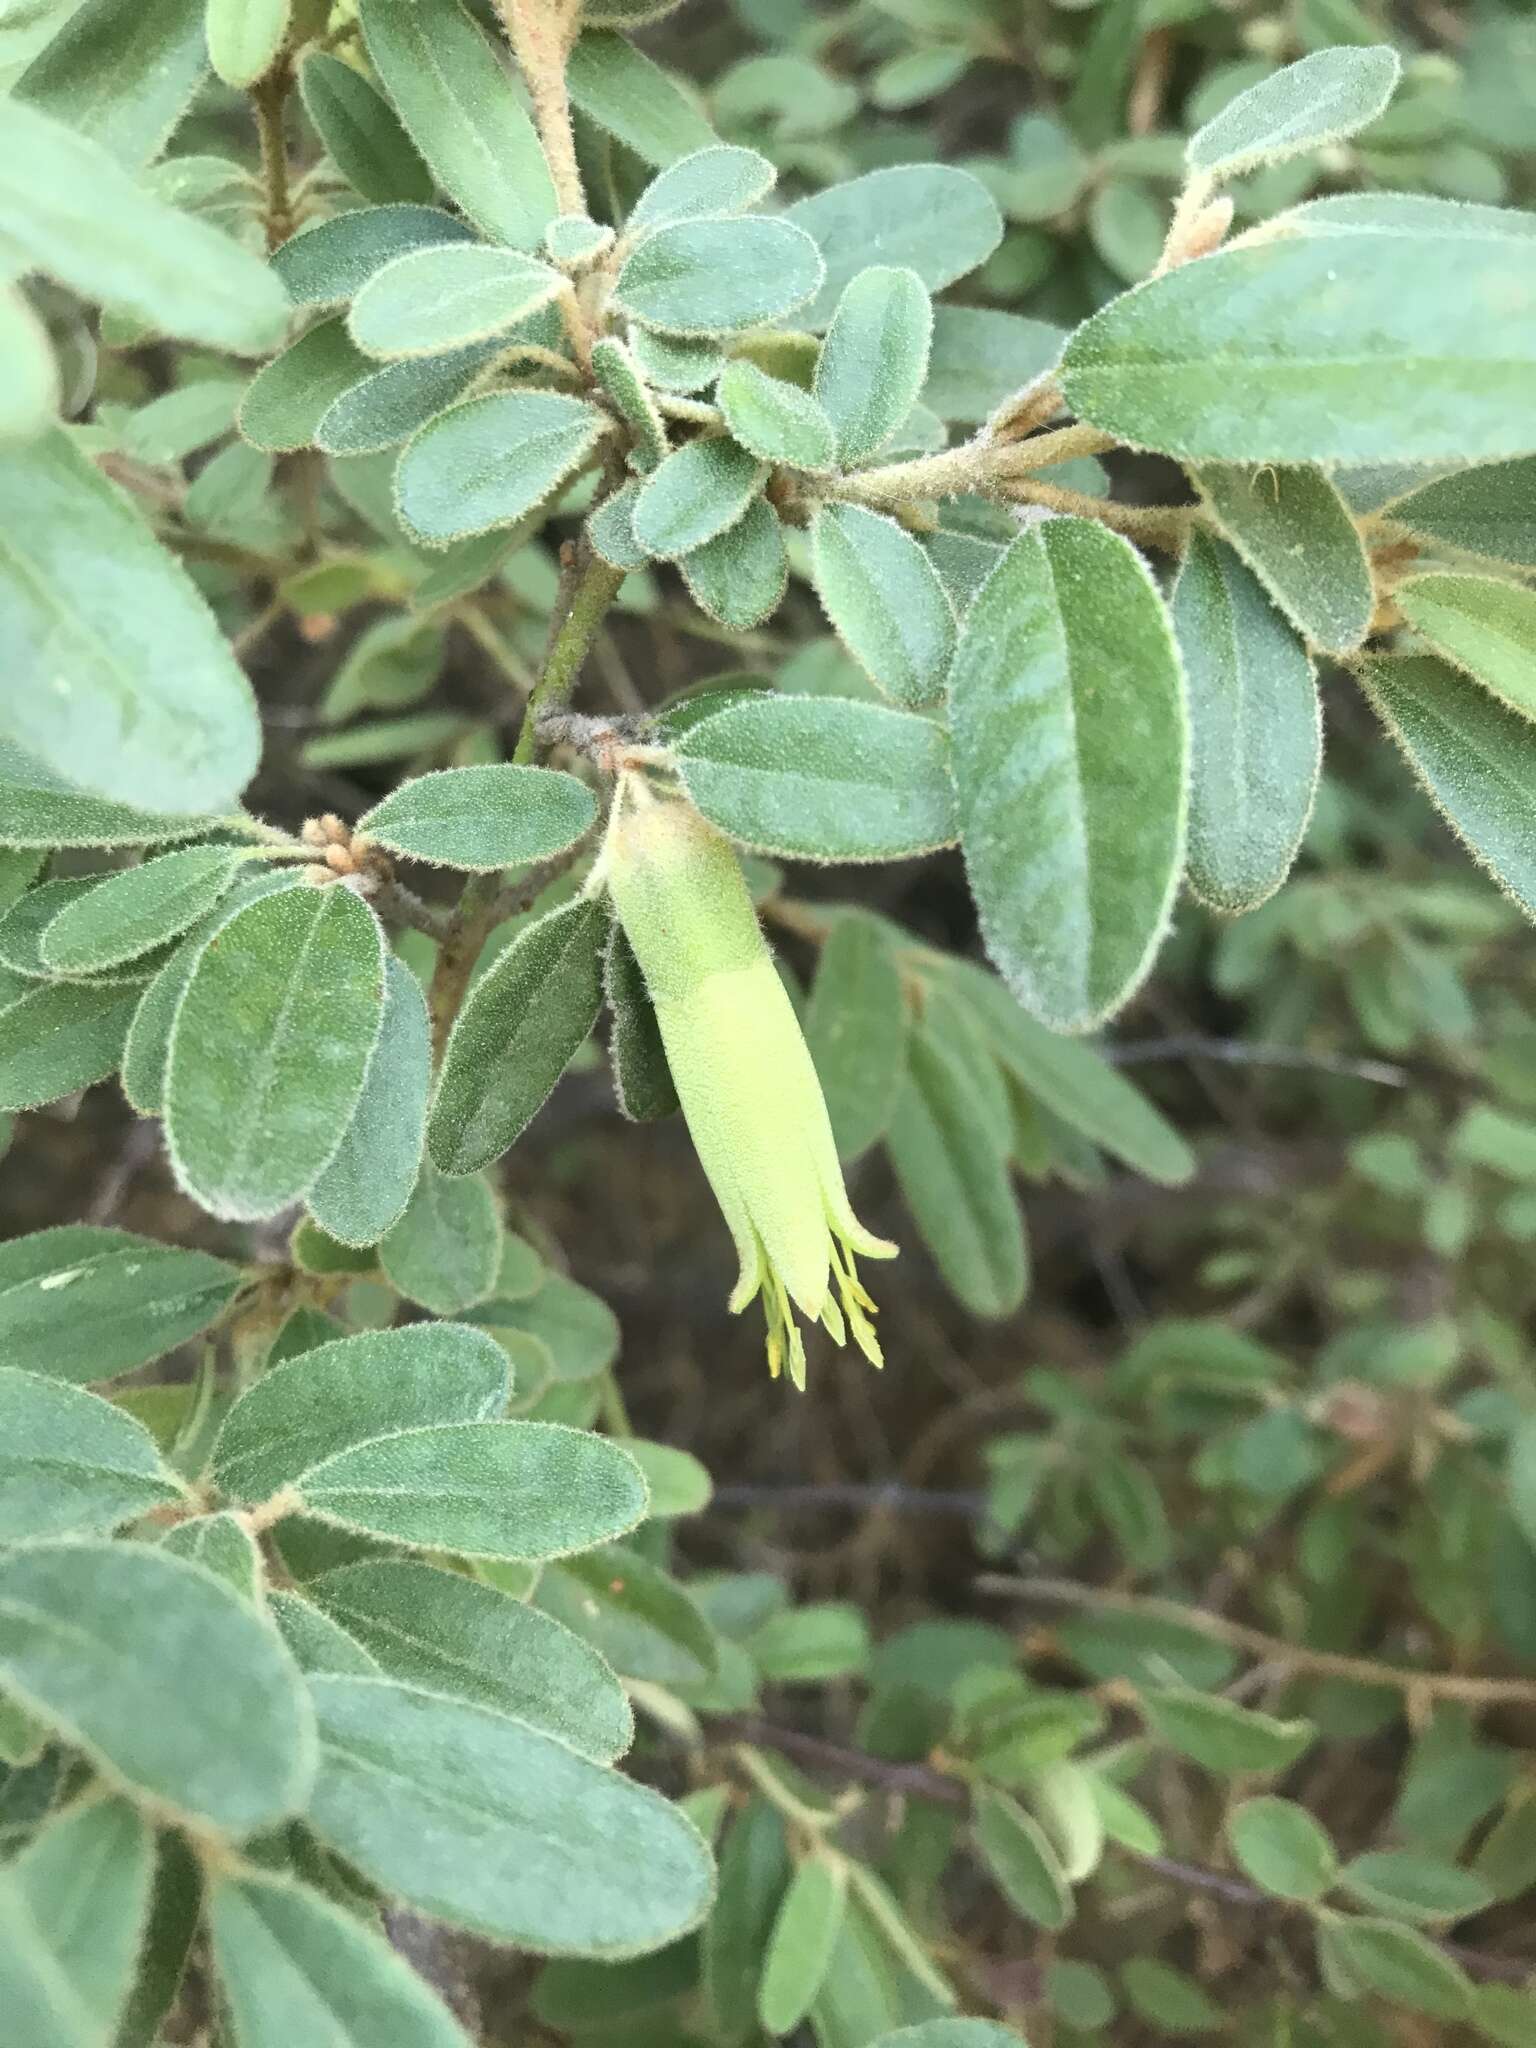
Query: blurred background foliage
[[1262, 1434]]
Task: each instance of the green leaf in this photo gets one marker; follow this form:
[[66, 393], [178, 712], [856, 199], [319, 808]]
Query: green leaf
[[85, 1880], [463, 113], [482, 818], [1405, 1885], [490, 460], [71, 1462], [741, 575], [618, 374], [720, 179], [874, 359], [799, 1952], [1485, 511], [1476, 758], [1256, 738], [671, 364], [1327, 338], [856, 1029], [1294, 531], [810, 1645], [444, 1250], [635, 101], [524, 1022], [364, 1190], [1282, 1848], [226, 1546], [702, 277], [253, 1112], [642, 1080], [492, 1825], [1483, 624], [330, 262], [288, 397], [112, 1644], [1168, 1999], [350, 1392], [754, 1871], [37, 1995], [980, 356], [931, 218], [640, 1619], [696, 494], [29, 399], [173, 1920], [245, 37], [137, 909], [1071, 743], [1503, 2013], [1393, 1961], [775, 420], [678, 1484], [1331, 94], [519, 1490], [126, 74], [149, 1035], [39, 808], [1018, 1852], [1223, 1736], [611, 529], [72, 212], [948, 1140], [389, 406], [157, 712], [23, 925], [576, 1327], [1074, 1082], [432, 300], [573, 241], [59, 1037], [182, 420], [884, 596], [821, 778], [361, 131], [293, 1967], [87, 1303], [452, 1635], [318, 1643]]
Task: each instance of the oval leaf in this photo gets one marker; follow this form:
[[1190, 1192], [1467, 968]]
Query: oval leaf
[[1483, 624], [137, 910], [432, 300], [886, 599], [491, 460], [483, 818], [701, 277], [1294, 531], [365, 1189], [87, 1303], [874, 359]]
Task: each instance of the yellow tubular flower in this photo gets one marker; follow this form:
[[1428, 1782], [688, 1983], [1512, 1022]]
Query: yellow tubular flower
[[742, 1071]]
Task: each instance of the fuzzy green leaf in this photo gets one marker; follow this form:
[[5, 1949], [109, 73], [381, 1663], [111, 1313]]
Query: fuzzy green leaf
[[642, 1621], [463, 113], [741, 575], [244, 38], [1294, 531], [1489, 511], [717, 180], [294, 1967], [697, 493], [635, 101], [1255, 730], [1018, 1852], [270, 1048], [702, 277], [874, 359], [886, 599], [40, 808], [1282, 1848], [821, 778], [931, 218], [490, 461], [444, 1250], [577, 1328], [1483, 624], [87, 1303], [980, 356], [330, 262], [113, 1643], [361, 131], [72, 212], [1071, 748], [799, 1951], [1330, 337], [71, 1463], [157, 712], [1222, 1736], [432, 300], [58, 1037], [342, 1394], [137, 909], [776, 420], [1475, 757], [384, 409], [1321, 99], [482, 1821], [523, 1023], [85, 1880], [127, 75], [365, 1188], [288, 397], [642, 1080], [482, 818], [856, 1028]]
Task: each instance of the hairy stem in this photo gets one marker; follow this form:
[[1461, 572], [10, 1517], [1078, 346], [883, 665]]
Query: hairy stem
[[589, 586], [269, 96], [541, 33]]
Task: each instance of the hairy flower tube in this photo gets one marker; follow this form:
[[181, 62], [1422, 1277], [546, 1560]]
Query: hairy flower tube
[[742, 1071]]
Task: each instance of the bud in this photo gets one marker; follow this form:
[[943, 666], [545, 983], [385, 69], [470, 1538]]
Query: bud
[[742, 1071]]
